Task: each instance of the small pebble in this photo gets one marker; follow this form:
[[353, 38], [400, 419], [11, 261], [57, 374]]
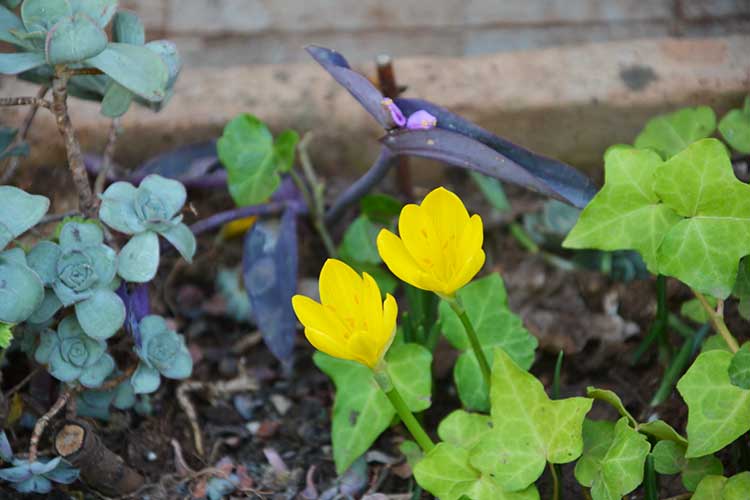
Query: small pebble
[[252, 427], [151, 456], [281, 403]]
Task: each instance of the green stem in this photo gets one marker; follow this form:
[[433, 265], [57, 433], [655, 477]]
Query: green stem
[[658, 328], [650, 483], [717, 320], [407, 417], [677, 367], [555, 482], [473, 339], [314, 203]]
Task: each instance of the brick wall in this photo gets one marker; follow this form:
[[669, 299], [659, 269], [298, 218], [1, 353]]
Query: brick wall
[[213, 32]]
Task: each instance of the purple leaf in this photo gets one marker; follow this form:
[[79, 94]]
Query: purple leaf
[[189, 162], [358, 86], [269, 270], [136, 300], [559, 180]]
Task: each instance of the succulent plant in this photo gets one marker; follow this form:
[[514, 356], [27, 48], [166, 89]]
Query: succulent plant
[[21, 290], [37, 476], [81, 271], [150, 209], [96, 404], [21, 211], [162, 351], [71, 355]]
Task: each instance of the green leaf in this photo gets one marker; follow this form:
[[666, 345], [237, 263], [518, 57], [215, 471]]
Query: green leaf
[[463, 429], [139, 258], [128, 28], [735, 128], [362, 411], [6, 335], [703, 250], [116, 100], [101, 11], [718, 411], [721, 488], [697, 468], [620, 470], [18, 62], [446, 473], [74, 39], [669, 457], [486, 305], [670, 133], [739, 368], [661, 430], [613, 399], [136, 68], [492, 189], [380, 207], [41, 15], [246, 149], [715, 342], [694, 311], [284, 149], [597, 438], [529, 429], [626, 213], [359, 241]]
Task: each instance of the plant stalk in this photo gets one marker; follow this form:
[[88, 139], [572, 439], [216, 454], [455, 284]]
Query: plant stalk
[[658, 329], [555, 481], [484, 366], [15, 161], [407, 417], [717, 320], [677, 367]]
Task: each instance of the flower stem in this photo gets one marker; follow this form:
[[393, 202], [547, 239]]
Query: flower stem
[[407, 417], [484, 366], [555, 482], [717, 320]]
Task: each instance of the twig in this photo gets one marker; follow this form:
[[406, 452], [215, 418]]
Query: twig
[[717, 320], [58, 217], [361, 186], [41, 424], [315, 197], [25, 101], [85, 71], [109, 153], [389, 88], [15, 161], [86, 200]]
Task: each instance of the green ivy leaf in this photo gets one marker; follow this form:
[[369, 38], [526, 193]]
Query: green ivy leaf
[[715, 342], [620, 470], [661, 430], [703, 250], [597, 438], [380, 207], [721, 488], [718, 411], [612, 399], [492, 189], [739, 367], [697, 468], [626, 213], [6, 335], [358, 242], [252, 159], [446, 473], [486, 305], [735, 128], [694, 311], [362, 411], [528, 429], [463, 429], [669, 458], [670, 133]]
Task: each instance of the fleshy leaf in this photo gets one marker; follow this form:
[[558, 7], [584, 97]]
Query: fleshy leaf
[[136, 68], [127, 27], [21, 290], [41, 15], [626, 213], [21, 211], [445, 472], [180, 236], [735, 128], [116, 101], [269, 269], [139, 258], [93, 376], [621, 468], [704, 249], [101, 11], [496, 325], [361, 411], [101, 315], [74, 39], [18, 62], [145, 380], [529, 429], [9, 21], [247, 150], [671, 133], [718, 411]]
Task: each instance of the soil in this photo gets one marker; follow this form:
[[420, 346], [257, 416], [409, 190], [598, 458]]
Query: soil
[[280, 431]]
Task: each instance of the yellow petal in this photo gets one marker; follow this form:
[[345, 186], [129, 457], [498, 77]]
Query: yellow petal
[[371, 314], [469, 270], [338, 348], [401, 263], [448, 214], [364, 347], [315, 316], [388, 332], [340, 288], [419, 237]]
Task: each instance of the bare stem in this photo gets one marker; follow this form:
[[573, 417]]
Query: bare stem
[[41, 424], [15, 161], [86, 200], [25, 101], [109, 153], [717, 320]]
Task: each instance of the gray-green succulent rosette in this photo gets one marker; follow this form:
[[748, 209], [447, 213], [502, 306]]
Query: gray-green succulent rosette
[[96, 404], [151, 209], [21, 290], [81, 271], [71, 355], [162, 352], [35, 477]]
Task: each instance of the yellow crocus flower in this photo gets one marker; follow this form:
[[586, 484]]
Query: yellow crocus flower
[[440, 246], [351, 321]]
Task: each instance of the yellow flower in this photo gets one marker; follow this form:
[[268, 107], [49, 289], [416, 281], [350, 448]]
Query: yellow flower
[[352, 321], [440, 248]]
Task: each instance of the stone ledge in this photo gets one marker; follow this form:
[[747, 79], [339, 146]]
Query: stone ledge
[[569, 103]]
